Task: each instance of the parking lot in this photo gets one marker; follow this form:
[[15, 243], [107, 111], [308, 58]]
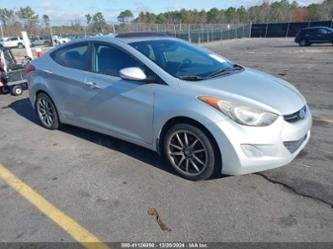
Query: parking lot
[[107, 185]]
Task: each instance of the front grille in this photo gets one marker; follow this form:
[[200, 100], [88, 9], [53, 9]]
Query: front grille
[[292, 146], [294, 117]]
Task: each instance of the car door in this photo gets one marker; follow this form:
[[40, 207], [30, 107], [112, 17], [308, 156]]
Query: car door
[[113, 105], [12, 42], [320, 35], [323, 35], [328, 35], [65, 74], [37, 41]]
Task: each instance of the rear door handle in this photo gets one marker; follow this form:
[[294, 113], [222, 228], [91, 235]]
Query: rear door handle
[[92, 85], [47, 71]]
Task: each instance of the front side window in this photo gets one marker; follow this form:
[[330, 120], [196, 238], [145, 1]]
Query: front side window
[[183, 60], [110, 60], [75, 56]]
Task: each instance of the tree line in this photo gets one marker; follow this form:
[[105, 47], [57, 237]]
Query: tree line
[[276, 11]]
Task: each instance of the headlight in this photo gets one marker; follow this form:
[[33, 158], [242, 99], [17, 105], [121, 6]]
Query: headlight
[[241, 114]]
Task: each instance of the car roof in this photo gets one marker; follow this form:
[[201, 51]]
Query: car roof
[[126, 39], [140, 34], [111, 38]]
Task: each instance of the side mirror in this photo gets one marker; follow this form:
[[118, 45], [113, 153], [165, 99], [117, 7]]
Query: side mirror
[[132, 73]]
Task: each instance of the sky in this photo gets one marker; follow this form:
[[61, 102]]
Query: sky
[[72, 9]]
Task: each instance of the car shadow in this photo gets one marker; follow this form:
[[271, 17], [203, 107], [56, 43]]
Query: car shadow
[[23, 108]]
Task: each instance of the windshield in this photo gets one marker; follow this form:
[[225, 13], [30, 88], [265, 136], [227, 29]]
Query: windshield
[[183, 60]]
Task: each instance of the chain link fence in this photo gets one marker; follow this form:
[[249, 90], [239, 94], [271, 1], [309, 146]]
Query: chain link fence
[[289, 29], [197, 33]]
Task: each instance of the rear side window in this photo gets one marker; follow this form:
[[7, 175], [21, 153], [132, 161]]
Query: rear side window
[[145, 49], [310, 31], [75, 56]]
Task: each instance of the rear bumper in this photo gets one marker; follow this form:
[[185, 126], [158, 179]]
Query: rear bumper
[[251, 149]]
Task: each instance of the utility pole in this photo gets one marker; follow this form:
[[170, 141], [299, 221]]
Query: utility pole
[[250, 34], [51, 33], [288, 27], [113, 28], [266, 31], [1, 30]]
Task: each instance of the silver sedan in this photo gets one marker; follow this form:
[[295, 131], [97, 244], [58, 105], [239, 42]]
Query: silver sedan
[[205, 114]]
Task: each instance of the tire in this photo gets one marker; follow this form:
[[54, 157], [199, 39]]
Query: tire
[[47, 112], [5, 89], [17, 90], [191, 152], [303, 43]]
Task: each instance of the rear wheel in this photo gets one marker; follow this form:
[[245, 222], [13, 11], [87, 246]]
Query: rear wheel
[[17, 90], [303, 43], [190, 152], [47, 112], [5, 89]]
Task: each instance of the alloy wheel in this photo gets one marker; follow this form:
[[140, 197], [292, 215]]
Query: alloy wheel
[[187, 152], [45, 111]]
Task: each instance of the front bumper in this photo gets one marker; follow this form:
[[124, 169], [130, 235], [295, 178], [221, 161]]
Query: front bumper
[[247, 149]]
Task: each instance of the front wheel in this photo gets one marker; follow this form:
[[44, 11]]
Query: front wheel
[[17, 90], [47, 112], [191, 152]]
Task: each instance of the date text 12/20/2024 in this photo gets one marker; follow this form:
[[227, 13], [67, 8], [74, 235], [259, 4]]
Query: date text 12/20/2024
[[164, 245]]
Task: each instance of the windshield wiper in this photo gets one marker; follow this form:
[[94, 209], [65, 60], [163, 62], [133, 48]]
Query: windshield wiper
[[225, 71], [191, 77]]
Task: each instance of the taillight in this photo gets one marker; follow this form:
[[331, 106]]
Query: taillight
[[29, 68]]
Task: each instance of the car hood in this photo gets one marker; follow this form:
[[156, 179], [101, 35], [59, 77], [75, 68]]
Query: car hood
[[253, 88]]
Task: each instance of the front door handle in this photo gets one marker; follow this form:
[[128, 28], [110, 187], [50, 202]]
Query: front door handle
[[92, 85]]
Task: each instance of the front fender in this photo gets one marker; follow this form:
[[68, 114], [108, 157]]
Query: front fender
[[185, 106]]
